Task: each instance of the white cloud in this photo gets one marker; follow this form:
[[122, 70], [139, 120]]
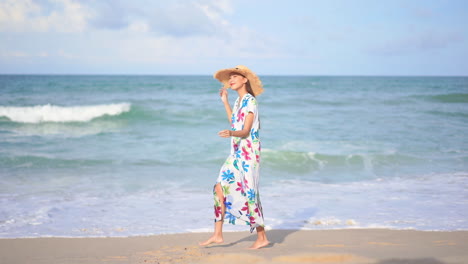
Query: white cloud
[[130, 35], [216, 10], [187, 31], [181, 20], [139, 26], [223, 6], [29, 16], [171, 18], [40, 54], [134, 47]]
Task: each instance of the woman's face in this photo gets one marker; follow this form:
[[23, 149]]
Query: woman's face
[[236, 81]]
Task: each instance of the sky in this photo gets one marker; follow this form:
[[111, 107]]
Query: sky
[[198, 37]]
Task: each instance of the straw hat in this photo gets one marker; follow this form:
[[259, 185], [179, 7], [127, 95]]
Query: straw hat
[[255, 83]]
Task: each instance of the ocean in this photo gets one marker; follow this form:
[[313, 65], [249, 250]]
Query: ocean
[[92, 156]]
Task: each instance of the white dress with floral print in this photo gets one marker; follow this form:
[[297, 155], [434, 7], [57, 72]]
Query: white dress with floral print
[[239, 176]]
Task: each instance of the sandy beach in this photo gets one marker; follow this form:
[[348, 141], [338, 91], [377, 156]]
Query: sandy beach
[[379, 246]]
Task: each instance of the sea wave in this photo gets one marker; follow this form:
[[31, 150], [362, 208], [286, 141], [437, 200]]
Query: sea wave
[[306, 162], [54, 113], [449, 98], [31, 161], [448, 114]]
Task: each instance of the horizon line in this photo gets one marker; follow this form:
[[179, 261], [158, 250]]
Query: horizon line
[[272, 75]]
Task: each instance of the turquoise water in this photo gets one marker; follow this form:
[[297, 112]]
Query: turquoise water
[[138, 155]]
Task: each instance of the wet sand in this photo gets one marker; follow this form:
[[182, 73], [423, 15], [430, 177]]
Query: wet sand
[[376, 246]]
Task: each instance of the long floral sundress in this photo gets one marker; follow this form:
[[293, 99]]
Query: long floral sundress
[[239, 176]]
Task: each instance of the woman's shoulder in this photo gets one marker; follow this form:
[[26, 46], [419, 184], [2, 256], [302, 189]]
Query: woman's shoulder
[[250, 98]]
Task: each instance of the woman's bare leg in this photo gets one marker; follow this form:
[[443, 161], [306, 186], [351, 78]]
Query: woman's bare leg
[[217, 236], [262, 240]]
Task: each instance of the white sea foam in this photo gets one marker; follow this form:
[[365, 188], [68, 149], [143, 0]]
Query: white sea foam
[[54, 113], [331, 222]]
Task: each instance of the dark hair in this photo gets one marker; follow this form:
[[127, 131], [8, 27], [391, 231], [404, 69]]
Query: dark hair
[[249, 88]]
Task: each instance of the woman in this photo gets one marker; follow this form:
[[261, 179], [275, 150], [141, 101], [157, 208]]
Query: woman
[[236, 196]]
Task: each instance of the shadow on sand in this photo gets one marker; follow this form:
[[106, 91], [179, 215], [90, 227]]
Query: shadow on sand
[[277, 236]]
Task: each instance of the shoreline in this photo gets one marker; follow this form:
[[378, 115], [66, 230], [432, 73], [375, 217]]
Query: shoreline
[[228, 231], [379, 246]]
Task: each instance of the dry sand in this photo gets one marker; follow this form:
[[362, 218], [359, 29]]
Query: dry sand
[[376, 246]]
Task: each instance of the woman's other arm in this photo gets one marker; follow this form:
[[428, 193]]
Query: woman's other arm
[[241, 133]]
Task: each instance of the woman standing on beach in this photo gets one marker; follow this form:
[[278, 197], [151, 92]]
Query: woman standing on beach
[[236, 196]]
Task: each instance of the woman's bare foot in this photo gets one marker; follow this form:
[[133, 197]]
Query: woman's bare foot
[[259, 244], [212, 240]]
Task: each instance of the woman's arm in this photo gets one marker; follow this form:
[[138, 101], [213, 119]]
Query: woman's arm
[[224, 97], [241, 133]]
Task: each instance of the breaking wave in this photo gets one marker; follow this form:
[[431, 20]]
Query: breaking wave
[[54, 113]]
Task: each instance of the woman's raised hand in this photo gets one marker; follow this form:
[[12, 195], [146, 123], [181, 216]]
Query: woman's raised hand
[[223, 93]]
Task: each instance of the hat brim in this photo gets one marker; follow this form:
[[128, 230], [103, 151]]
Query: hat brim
[[255, 83]]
